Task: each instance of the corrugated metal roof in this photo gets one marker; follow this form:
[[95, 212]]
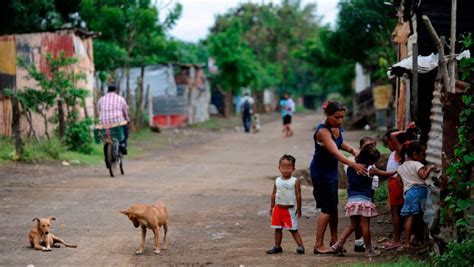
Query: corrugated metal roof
[[435, 137]]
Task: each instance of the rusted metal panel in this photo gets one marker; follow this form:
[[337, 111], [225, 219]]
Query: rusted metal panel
[[54, 44], [32, 48], [7, 80], [7, 62], [435, 137]]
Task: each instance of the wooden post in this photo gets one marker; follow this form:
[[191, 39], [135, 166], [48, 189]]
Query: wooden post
[[442, 57], [452, 46], [414, 90], [407, 103]]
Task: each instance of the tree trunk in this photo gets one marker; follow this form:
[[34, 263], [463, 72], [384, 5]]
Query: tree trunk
[[128, 95], [61, 119], [45, 118], [227, 104], [16, 127], [259, 101], [30, 123], [139, 100]]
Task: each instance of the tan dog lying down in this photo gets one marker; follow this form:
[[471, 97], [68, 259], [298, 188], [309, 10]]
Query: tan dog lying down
[[42, 239], [151, 217]]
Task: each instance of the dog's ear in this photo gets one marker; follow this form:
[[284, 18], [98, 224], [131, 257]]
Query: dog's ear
[[36, 219], [52, 219], [124, 212]]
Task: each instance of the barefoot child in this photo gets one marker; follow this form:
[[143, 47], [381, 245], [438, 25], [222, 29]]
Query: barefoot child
[[413, 174], [359, 205], [286, 205]]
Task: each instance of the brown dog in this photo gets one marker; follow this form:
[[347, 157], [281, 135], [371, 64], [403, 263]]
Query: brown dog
[[151, 217], [42, 239]]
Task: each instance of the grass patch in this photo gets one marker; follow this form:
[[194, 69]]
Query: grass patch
[[400, 262], [217, 123], [300, 109], [381, 194], [95, 158], [383, 150]]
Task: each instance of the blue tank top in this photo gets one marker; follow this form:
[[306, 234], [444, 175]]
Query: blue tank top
[[358, 185], [324, 165]]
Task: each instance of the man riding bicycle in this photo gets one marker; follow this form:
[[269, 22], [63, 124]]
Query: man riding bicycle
[[113, 111]]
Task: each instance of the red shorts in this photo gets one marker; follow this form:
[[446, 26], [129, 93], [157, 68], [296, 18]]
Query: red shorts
[[284, 218], [395, 193]]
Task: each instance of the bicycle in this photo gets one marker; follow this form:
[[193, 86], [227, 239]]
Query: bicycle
[[111, 135]]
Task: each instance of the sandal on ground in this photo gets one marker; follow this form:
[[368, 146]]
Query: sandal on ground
[[404, 248], [300, 250], [316, 251], [274, 250], [338, 248], [372, 253], [392, 246]]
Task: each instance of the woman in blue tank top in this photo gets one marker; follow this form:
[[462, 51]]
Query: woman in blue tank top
[[328, 141]]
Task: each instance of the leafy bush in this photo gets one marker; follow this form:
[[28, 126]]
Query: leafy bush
[[381, 193], [78, 136], [300, 109], [400, 262], [458, 254]]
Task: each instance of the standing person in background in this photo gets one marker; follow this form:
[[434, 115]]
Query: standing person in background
[[328, 141], [246, 108], [288, 107]]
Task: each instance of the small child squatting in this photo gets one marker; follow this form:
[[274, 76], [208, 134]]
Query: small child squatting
[[286, 205]]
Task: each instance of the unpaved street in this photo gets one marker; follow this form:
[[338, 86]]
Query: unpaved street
[[217, 188]]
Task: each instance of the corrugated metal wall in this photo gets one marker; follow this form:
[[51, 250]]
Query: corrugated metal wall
[[7, 80], [435, 137], [33, 47]]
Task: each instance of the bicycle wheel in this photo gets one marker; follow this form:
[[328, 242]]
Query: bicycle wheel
[[121, 167], [109, 158]]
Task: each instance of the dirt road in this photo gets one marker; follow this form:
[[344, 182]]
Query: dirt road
[[217, 187]]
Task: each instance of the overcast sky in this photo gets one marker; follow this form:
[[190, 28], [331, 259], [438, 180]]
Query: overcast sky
[[198, 15]]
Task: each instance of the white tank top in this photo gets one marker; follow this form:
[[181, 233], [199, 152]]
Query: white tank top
[[285, 191], [392, 164]]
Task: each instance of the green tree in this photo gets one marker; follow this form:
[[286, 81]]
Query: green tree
[[132, 30], [20, 16], [238, 65], [275, 33], [362, 34]]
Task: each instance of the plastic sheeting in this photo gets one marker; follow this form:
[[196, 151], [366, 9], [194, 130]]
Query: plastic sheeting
[[425, 64]]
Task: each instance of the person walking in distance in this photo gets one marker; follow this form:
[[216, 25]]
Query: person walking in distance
[[288, 108], [246, 108]]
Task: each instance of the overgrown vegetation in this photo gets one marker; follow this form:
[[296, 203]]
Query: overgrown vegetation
[[459, 254], [459, 201]]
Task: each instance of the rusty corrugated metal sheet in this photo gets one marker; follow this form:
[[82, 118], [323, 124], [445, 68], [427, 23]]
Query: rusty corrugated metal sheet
[[54, 43], [435, 137], [33, 48], [7, 80], [7, 62]]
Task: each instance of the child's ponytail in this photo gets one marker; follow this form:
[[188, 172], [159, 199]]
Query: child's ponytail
[[409, 148]]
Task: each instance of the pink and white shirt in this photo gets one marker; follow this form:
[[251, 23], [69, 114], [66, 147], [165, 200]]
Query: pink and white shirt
[[112, 109]]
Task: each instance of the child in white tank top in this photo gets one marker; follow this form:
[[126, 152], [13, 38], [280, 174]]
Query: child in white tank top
[[286, 205]]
